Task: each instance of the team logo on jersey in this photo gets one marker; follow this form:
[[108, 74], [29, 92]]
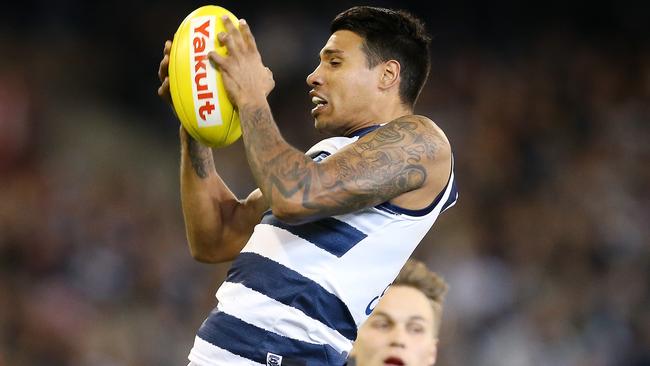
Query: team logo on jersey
[[273, 360], [374, 301]]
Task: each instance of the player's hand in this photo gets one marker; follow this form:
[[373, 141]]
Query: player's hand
[[244, 75], [163, 74]]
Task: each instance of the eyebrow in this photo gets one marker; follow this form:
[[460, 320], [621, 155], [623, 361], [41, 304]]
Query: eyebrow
[[414, 317], [331, 51]]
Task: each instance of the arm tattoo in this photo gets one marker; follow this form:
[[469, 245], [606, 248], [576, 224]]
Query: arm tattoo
[[201, 158], [374, 170], [384, 166], [273, 162]]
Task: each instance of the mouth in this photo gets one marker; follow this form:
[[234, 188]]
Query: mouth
[[320, 102], [393, 361]]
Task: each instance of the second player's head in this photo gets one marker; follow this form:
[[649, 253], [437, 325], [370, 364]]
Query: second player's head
[[403, 328], [375, 61]]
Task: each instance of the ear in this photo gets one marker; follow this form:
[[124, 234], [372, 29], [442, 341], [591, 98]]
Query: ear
[[390, 72]]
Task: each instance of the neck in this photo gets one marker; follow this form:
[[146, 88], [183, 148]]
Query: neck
[[381, 116]]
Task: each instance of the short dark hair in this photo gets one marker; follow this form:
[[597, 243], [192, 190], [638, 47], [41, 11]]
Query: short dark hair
[[391, 35]]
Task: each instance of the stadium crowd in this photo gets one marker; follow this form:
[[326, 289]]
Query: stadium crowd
[[547, 252]]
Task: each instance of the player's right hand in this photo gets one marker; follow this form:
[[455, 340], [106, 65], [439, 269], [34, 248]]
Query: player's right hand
[[163, 74]]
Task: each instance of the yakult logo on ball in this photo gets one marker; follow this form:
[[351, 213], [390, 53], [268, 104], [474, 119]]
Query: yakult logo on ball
[[204, 77]]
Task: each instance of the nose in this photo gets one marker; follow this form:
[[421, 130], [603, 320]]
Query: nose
[[315, 78], [398, 337]]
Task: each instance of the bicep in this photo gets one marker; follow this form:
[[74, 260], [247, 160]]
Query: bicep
[[353, 180], [399, 157]]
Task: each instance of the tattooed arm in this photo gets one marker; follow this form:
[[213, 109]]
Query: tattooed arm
[[217, 224], [408, 154], [406, 160]]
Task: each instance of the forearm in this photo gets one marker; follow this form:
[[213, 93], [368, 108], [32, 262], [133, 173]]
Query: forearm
[[204, 198], [283, 174]]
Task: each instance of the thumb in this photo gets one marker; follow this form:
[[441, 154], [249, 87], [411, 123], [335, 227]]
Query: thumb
[[218, 60]]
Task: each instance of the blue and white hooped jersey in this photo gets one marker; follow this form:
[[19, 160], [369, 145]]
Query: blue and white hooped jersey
[[297, 294]]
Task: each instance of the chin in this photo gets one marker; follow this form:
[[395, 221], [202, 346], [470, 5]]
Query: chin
[[327, 126], [317, 123], [320, 125]]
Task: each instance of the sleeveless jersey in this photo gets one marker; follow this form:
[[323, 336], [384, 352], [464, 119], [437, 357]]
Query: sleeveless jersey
[[297, 294]]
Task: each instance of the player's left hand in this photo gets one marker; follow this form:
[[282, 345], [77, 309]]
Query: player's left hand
[[163, 74], [244, 75]]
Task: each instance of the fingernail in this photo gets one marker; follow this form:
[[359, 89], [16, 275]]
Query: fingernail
[[242, 21]]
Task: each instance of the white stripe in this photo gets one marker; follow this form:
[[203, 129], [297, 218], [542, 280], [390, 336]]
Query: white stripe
[[293, 252], [263, 312], [368, 221], [207, 354], [341, 276]]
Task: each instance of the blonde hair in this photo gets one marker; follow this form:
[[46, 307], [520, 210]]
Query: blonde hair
[[416, 274]]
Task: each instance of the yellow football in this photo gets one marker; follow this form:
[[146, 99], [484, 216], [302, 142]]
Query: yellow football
[[198, 94]]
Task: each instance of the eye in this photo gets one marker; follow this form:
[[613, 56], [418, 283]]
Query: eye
[[380, 324], [416, 328], [335, 63]]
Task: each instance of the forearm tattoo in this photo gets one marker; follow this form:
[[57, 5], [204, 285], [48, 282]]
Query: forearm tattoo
[[200, 157], [389, 163]]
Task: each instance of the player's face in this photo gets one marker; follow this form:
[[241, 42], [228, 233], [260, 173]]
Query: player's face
[[400, 331], [343, 87]]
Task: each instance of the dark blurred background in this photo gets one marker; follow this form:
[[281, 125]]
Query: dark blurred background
[[547, 106]]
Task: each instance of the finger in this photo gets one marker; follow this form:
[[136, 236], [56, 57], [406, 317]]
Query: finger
[[247, 35], [227, 40], [163, 90], [232, 30], [218, 60], [168, 47], [163, 69]]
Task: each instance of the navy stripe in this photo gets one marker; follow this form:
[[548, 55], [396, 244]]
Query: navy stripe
[[363, 131], [292, 289], [387, 206], [453, 196], [248, 341], [332, 235]]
